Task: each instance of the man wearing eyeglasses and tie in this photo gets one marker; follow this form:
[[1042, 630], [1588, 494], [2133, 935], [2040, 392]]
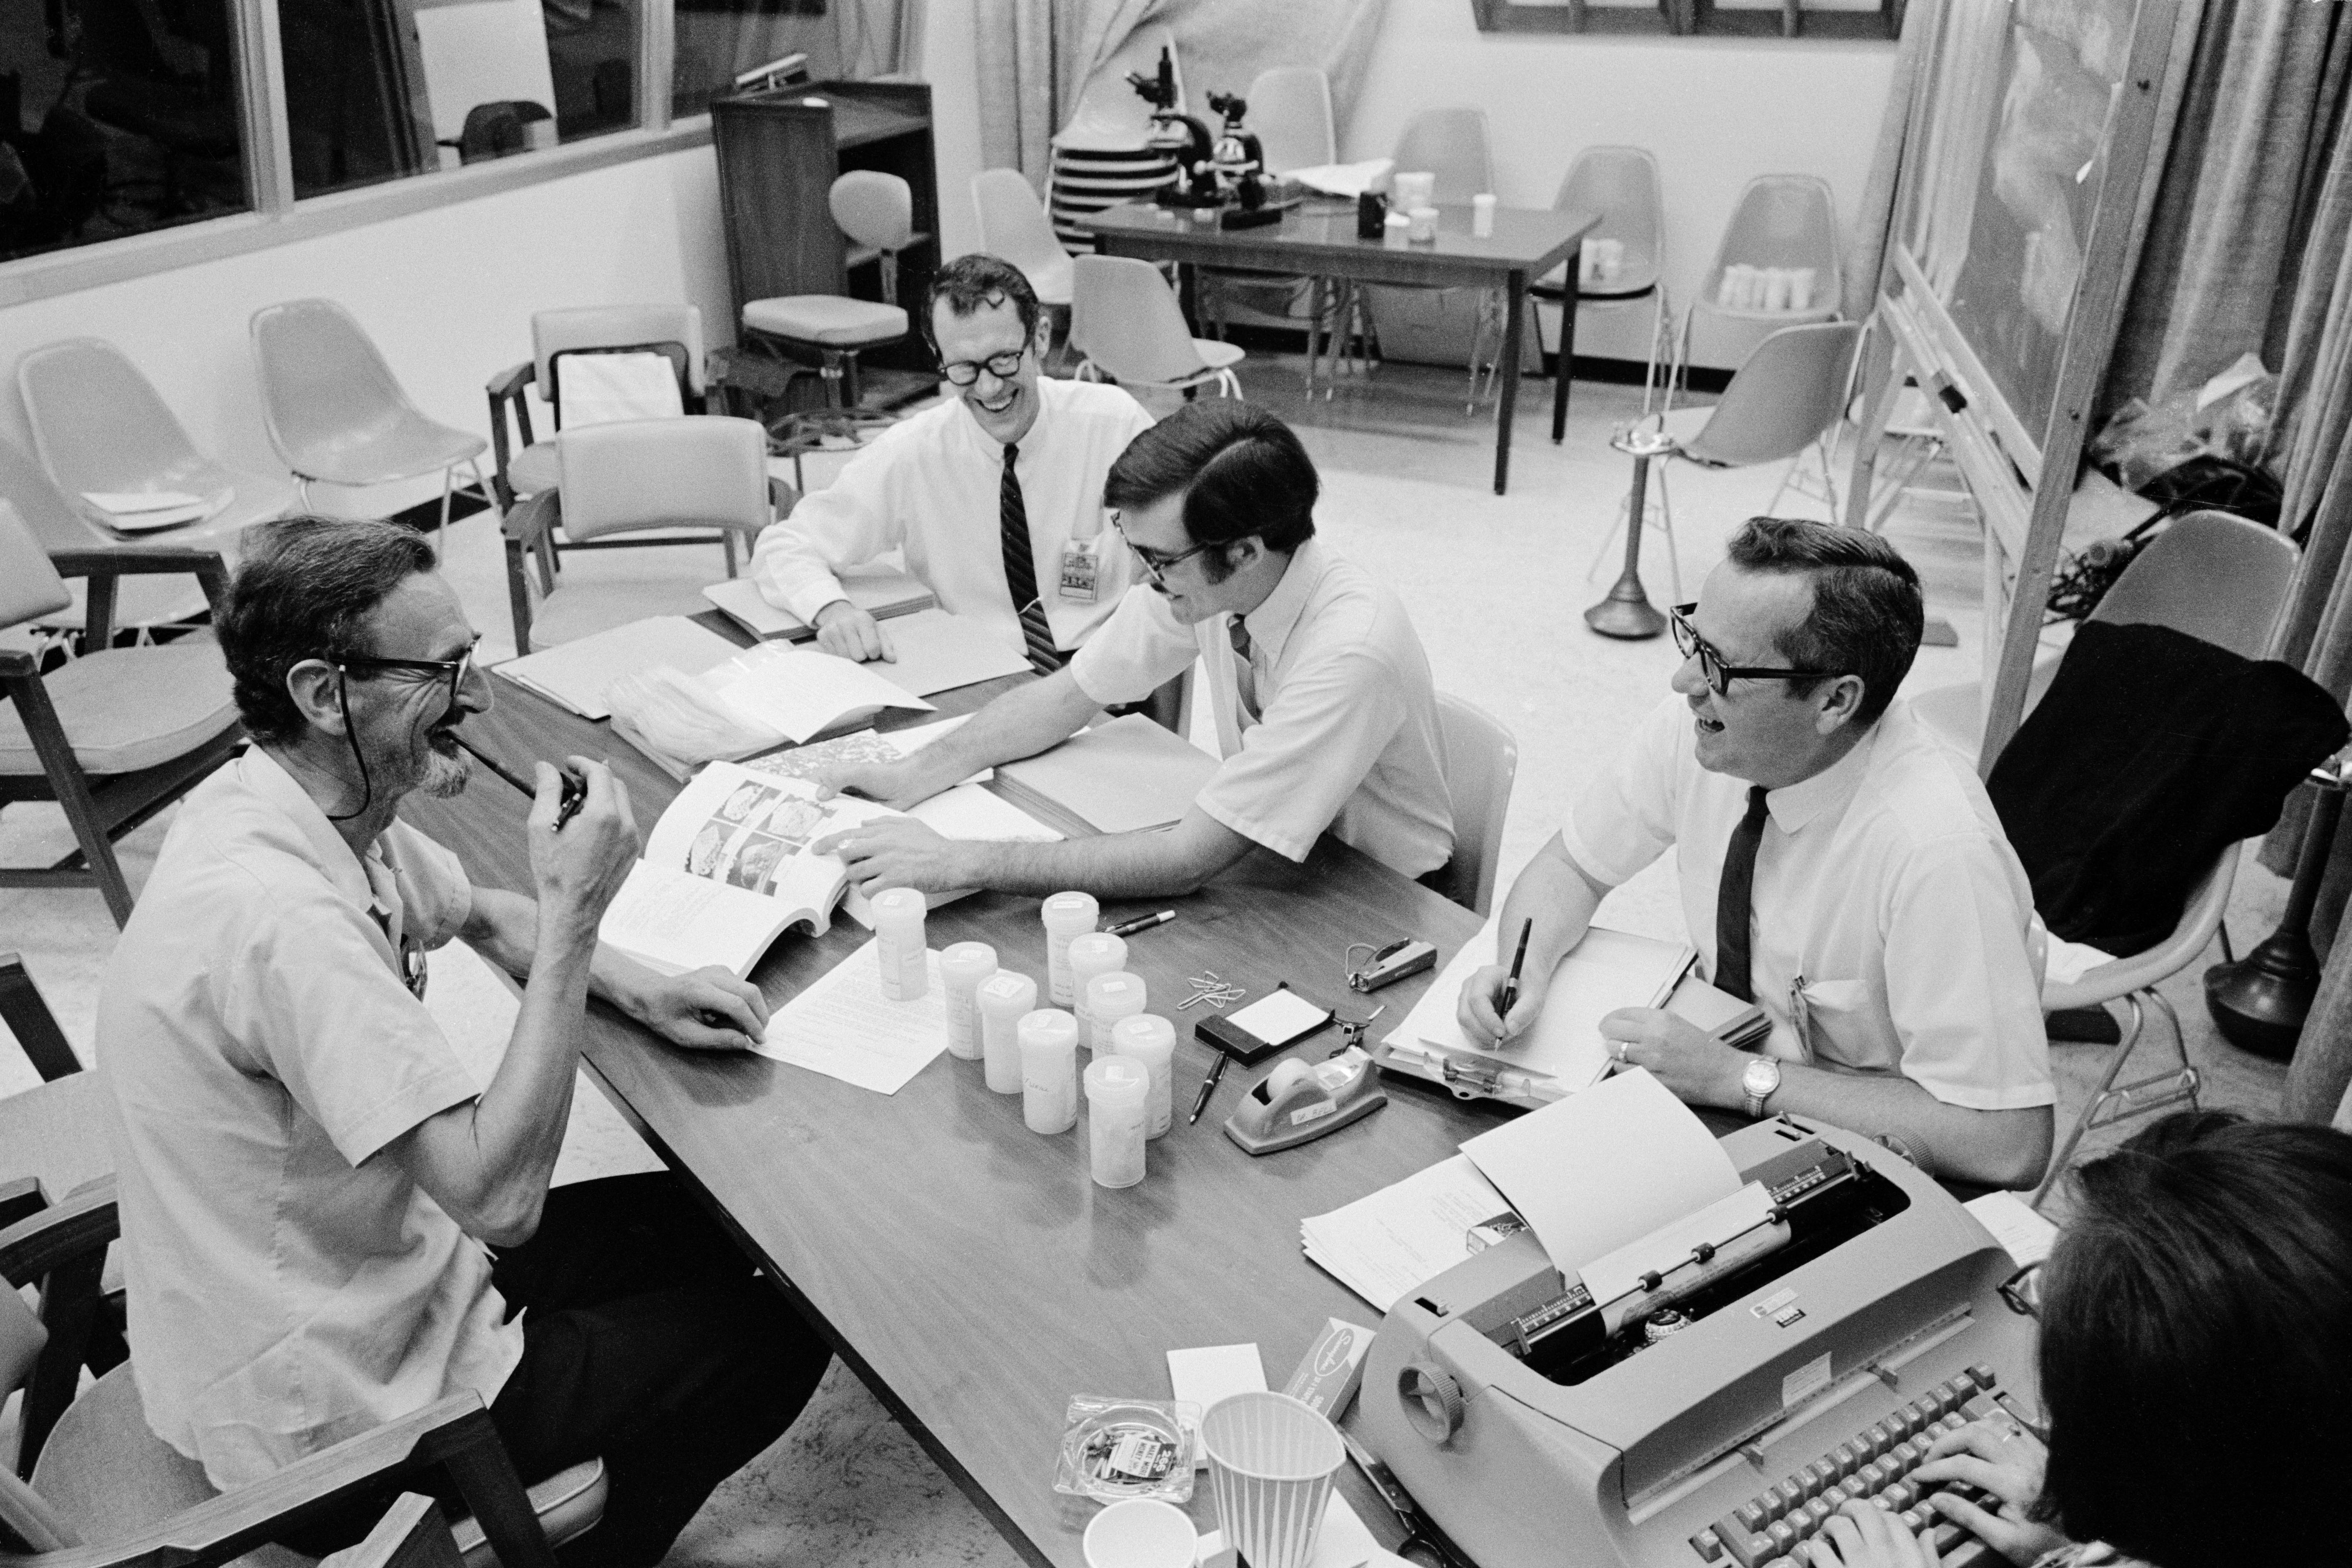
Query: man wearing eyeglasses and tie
[[1840, 866], [1324, 714], [994, 495]]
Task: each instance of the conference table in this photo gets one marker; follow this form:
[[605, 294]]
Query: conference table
[[968, 1269], [1317, 239]]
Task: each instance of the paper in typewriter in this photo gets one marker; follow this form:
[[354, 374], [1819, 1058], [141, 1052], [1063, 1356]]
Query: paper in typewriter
[[1599, 1169]]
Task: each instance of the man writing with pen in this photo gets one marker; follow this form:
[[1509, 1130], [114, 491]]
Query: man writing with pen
[[327, 1222], [1840, 866]]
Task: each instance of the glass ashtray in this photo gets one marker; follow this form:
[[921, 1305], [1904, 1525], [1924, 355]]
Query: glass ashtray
[[1115, 1448]]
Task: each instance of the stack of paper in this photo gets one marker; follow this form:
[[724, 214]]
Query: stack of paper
[[844, 1027], [1342, 179], [1564, 1051], [799, 692], [143, 512], [1742, 1026], [1384, 1247], [1118, 777], [934, 651], [577, 674], [880, 593]]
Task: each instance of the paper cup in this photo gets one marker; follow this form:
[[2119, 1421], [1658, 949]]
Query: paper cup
[[1271, 1460], [1141, 1532]]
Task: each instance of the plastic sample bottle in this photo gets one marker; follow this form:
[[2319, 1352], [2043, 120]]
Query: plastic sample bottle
[[1003, 998], [1109, 998], [963, 967], [1049, 1070], [1116, 1089], [1066, 915], [898, 942], [1149, 1040]]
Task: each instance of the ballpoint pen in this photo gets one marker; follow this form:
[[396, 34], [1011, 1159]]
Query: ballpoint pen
[[1142, 922], [575, 793], [1208, 1088], [1518, 959]]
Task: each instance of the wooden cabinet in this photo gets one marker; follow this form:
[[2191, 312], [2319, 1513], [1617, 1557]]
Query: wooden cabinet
[[778, 152]]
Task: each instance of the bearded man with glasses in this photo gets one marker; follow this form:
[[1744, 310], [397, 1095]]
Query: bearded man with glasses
[[327, 1222], [1841, 867], [994, 495]]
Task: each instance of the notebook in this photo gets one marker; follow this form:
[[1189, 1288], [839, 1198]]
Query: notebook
[[880, 593], [577, 674]]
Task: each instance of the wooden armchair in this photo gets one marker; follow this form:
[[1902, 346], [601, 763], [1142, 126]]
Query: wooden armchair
[[115, 735], [104, 1491]]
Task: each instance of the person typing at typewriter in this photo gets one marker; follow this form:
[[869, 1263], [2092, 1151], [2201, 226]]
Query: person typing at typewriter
[[2196, 1359], [1840, 866]]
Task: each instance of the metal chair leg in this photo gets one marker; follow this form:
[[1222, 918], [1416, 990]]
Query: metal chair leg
[[2140, 1097]]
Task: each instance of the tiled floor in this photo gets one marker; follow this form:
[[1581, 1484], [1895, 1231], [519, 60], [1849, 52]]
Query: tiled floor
[[1494, 585]]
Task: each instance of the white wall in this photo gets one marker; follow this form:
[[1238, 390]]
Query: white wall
[[1715, 111], [446, 294]]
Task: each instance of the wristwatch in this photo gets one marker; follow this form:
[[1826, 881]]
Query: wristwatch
[[1758, 1083]]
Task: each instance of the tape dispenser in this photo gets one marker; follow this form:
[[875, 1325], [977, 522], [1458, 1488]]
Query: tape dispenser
[[1298, 1101]]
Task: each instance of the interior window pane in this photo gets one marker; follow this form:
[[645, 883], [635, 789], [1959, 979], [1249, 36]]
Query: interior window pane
[[116, 117], [377, 89]]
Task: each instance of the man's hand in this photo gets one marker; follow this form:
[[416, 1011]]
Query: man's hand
[[2006, 1461], [1864, 1535], [706, 1010], [1699, 1068], [1482, 995], [848, 632], [898, 785], [578, 869], [898, 852]]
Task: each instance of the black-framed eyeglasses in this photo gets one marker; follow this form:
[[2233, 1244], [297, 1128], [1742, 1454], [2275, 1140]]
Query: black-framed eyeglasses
[[1003, 367], [2022, 1291], [1156, 566], [1711, 666], [453, 670]]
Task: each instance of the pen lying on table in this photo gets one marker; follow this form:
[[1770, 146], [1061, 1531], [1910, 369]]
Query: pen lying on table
[[575, 790]]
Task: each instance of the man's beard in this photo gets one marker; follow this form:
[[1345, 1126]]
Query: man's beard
[[444, 776]]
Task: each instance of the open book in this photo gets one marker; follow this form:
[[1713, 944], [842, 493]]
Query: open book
[[728, 868]]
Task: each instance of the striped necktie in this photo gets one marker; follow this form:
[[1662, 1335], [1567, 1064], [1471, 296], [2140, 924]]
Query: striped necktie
[[1735, 901], [1244, 677], [1020, 570]]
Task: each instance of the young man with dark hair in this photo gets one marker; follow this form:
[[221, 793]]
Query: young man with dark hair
[[1326, 717], [2195, 1368], [994, 495], [1840, 866], [327, 1222]]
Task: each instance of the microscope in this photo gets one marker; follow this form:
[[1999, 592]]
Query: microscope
[[1223, 172]]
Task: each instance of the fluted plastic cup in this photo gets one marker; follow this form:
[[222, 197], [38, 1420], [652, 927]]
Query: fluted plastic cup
[[1271, 1460]]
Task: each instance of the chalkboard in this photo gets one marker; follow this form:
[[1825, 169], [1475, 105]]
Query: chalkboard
[[2038, 181]]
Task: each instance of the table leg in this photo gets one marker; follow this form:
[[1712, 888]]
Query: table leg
[[1567, 354], [1188, 295], [1314, 303], [1508, 404]]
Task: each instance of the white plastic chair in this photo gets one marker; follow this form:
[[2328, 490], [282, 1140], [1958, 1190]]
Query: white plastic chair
[[1290, 111], [1482, 761], [336, 413], [1125, 321], [1454, 145], [1013, 228], [1783, 220], [1622, 185]]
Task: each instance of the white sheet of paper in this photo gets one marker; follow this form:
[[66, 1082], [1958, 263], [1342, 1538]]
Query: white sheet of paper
[[1211, 1372], [1279, 1017], [128, 503], [1383, 1246], [799, 691], [843, 1027], [2027, 1237], [937, 652], [915, 737], [1345, 1541], [1597, 1170]]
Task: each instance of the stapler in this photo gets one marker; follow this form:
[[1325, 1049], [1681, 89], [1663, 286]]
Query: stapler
[[1299, 1102]]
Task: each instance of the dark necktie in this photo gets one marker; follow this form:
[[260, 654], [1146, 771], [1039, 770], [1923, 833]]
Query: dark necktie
[[1245, 677], [1735, 901], [1020, 570]]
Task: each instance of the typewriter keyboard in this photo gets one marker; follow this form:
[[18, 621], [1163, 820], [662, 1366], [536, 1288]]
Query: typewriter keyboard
[[1873, 1465]]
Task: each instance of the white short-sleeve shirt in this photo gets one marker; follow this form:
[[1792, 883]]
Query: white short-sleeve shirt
[[1887, 897], [1349, 738], [288, 1289], [930, 486]]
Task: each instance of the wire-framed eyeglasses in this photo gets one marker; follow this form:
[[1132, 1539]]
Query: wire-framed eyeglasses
[[1155, 565], [1003, 367], [453, 670], [1719, 675]]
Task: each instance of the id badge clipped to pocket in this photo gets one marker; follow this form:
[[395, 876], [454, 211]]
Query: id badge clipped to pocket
[[1081, 568]]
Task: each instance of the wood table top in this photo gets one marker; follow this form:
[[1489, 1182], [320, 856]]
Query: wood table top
[[969, 1268]]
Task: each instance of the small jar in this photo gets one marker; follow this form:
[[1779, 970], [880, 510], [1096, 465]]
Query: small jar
[[1066, 915], [963, 967], [1049, 1070], [1115, 1091], [1004, 997], [1149, 1040], [1109, 998], [1092, 954], [898, 942]]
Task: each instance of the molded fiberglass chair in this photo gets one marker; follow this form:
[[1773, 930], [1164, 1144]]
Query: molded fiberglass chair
[[1629, 308], [1788, 391], [113, 737], [1783, 220], [2225, 581], [1482, 761], [1125, 321], [634, 477], [338, 416], [877, 213], [101, 1491], [1013, 228]]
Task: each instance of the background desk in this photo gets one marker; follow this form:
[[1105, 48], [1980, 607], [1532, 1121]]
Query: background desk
[[966, 1267], [1319, 240]]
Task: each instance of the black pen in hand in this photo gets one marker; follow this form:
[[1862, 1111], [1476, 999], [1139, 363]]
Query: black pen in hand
[[1519, 962], [575, 790]]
